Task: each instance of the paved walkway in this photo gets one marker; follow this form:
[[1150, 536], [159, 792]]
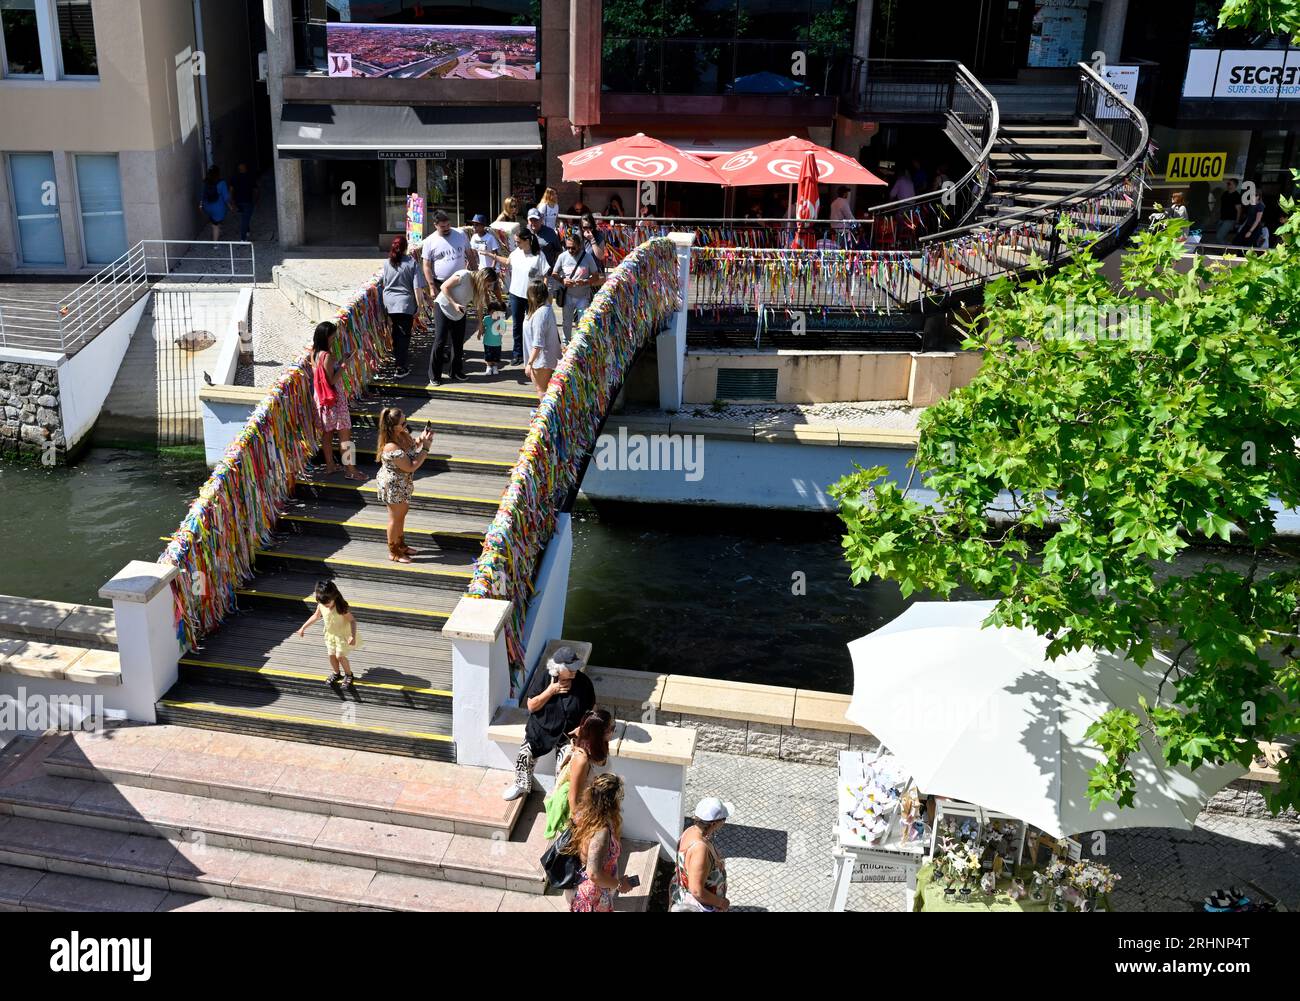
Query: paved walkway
[[778, 848]]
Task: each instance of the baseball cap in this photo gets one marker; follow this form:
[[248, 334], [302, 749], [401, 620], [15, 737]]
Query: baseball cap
[[711, 808], [480, 218], [534, 214], [562, 659]]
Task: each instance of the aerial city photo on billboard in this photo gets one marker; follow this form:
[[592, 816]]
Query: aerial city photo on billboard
[[451, 51]]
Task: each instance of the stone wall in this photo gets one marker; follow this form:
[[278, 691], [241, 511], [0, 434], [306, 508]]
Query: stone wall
[[29, 399], [760, 740]]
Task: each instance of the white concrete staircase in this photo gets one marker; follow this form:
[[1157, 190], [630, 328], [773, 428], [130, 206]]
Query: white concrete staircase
[[172, 818]]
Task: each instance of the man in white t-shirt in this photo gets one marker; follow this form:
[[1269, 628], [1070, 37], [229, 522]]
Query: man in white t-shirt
[[483, 242], [446, 251], [841, 210]]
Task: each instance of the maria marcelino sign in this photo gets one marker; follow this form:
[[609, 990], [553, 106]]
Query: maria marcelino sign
[[1243, 74]]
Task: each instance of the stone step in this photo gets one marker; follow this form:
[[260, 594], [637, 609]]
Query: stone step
[[408, 600], [459, 450], [459, 493], [67, 806], [200, 868], [336, 720], [395, 665], [450, 417], [344, 559], [24, 889], [358, 520], [328, 781], [511, 394]]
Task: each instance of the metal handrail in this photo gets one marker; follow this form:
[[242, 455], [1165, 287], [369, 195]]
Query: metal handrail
[[1134, 158], [79, 317]]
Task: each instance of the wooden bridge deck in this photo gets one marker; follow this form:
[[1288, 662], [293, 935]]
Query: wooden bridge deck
[[254, 675]]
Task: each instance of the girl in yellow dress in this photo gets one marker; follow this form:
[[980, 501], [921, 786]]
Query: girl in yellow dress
[[340, 630]]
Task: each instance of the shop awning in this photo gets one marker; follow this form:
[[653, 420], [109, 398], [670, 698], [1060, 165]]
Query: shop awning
[[388, 131]]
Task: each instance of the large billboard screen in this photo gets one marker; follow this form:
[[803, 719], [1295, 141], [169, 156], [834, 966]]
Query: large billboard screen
[[450, 51]]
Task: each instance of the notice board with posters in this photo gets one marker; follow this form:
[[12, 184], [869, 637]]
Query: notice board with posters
[[1056, 38]]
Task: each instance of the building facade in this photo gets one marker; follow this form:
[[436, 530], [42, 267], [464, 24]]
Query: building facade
[[104, 110], [467, 103]]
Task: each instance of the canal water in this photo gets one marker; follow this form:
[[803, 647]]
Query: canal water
[[762, 597], [767, 602], [66, 530]]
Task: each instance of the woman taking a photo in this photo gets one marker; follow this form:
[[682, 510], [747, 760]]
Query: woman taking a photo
[[400, 455], [401, 278], [526, 263], [331, 400], [453, 300], [542, 349], [597, 828]]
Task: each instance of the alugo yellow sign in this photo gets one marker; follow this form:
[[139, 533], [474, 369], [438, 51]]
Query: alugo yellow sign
[[1196, 166]]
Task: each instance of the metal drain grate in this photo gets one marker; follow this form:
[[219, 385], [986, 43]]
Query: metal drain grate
[[746, 384]]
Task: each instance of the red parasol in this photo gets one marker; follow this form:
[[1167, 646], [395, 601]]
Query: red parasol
[[780, 161], [807, 198], [636, 158]]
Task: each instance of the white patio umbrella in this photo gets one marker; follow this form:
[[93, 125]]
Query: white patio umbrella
[[982, 715]]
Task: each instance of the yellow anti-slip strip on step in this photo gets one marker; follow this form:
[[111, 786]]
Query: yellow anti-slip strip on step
[[415, 568], [208, 707], [374, 414], [311, 600], [499, 463], [370, 488], [487, 394], [374, 525], [279, 672]]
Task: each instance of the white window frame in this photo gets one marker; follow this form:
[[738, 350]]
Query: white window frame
[[81, 214], [57, 46], [47, 28]]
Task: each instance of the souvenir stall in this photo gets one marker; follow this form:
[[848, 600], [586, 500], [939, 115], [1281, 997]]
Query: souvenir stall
[[880, 833], [981, 860]]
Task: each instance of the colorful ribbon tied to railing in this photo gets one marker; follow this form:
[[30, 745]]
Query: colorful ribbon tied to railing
[[237, 508], [632, 306]]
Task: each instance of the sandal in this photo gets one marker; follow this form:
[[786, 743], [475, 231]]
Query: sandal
[[333, 680], [396, 555], [349, 679]]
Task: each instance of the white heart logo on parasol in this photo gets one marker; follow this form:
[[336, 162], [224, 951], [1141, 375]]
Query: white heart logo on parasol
[[644, 166], [738, 161], [587, 155], [789, 169]]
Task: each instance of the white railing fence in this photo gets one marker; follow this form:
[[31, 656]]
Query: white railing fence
[[67, 325]]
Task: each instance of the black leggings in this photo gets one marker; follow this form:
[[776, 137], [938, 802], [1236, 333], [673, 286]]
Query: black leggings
[[447, 332], [401, 339]]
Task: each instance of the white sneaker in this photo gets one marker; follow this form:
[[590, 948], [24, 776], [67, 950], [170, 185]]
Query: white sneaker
[[513, 792]]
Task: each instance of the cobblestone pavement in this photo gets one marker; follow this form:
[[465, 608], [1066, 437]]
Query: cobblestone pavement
[[778, 848]]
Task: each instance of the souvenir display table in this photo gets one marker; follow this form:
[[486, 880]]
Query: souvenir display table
[[880, 822], [930, 896]]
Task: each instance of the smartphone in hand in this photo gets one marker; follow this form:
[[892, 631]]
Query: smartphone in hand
[[634, 880]]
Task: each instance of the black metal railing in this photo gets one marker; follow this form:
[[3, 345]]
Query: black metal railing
[[965, 257]]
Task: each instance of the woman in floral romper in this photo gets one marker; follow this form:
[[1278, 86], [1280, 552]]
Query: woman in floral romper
[[595, 840], [400, 455]]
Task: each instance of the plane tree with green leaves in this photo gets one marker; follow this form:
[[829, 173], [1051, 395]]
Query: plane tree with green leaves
[[1112, 426]]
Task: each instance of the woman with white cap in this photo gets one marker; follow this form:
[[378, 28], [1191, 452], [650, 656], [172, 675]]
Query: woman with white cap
[[700, 882]]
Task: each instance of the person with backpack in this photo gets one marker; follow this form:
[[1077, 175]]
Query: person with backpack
[[216, 201], [571, 280]]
